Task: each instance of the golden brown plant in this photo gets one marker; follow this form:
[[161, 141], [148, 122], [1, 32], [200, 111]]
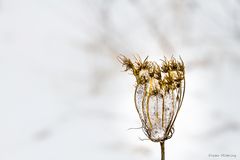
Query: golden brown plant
[[158, 95]]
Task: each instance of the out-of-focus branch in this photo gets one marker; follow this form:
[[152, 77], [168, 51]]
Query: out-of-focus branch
[[151, 22]]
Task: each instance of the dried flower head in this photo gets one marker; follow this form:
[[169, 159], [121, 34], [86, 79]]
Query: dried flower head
[[158, 95]]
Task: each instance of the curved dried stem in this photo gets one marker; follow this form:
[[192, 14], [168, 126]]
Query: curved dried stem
[[179, 106]]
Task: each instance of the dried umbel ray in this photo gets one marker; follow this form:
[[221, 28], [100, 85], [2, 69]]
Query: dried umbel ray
[[158, 95]]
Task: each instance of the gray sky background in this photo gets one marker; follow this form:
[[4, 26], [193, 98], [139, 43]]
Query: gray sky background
[[64, 97]]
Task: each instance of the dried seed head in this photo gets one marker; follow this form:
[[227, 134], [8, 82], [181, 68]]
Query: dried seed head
[[158, 95]]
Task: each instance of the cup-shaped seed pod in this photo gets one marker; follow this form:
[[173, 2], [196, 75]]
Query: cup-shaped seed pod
[[157, 109], [158, 95]]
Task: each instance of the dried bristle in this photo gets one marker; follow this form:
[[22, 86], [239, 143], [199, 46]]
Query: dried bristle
[[126, 62]]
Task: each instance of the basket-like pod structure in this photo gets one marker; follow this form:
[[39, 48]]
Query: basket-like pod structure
[[158, 95]]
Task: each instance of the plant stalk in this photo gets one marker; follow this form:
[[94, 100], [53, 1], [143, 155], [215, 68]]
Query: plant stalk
[[162, 150]]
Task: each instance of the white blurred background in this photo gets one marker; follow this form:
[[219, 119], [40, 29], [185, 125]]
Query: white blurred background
[[63, 95]]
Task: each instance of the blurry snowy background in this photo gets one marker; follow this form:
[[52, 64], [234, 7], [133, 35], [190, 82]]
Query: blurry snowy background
[[63, 95]]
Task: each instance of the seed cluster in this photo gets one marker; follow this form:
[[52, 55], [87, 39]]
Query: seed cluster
[[166, 77]]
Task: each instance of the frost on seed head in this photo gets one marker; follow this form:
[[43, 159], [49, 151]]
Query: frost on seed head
[[158, 95]]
